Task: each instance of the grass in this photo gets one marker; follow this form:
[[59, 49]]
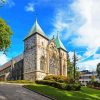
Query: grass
[[85, 93], [19, 82]]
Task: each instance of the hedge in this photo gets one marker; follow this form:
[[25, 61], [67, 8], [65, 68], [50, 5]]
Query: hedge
[[59, 85], [94, 84], [56, 78]]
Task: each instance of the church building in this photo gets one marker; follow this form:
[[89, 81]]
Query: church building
[[41, 57]]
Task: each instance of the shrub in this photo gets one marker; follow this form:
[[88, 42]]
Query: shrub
[[57, 78], [70, 80], [93, 84], [96, 84], [69, 87], [52, 83], [59, 85], [76, 87]]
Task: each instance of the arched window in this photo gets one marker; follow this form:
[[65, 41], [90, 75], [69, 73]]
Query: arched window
[[42, 63], [64, 69], [53, 65]]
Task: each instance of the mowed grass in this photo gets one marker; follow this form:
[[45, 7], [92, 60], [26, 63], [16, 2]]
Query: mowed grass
[[85, 93]]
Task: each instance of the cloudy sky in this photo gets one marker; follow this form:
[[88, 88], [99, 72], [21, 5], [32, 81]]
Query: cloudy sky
[[77, 21]]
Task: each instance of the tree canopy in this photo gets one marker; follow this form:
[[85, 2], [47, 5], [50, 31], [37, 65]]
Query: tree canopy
[[98, 69], [69, 67], [5, 35], [72, 68], [2, 2]]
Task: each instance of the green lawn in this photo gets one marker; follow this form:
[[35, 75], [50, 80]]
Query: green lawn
[[84, 94]]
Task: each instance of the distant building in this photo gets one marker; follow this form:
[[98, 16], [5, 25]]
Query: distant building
[[86, 76], [41, 57]]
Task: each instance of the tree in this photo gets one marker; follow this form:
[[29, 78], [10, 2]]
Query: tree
[[69, 67], [98, 69], [93, 78], [75, 59], [5, 35], [76, 73], [72, 69], [2, 2]]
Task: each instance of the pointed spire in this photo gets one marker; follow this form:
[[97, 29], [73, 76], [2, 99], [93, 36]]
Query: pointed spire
[[58, 42], [36, 29]]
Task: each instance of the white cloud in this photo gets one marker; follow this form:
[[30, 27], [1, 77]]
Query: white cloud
[[80, 23], [84, 24], [88, 34], [30, 7], [3, 59], [88, 65], [71, 54], [96, 56]]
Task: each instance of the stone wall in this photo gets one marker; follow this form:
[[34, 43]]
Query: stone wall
[[41, 52], [16, 72], [30, 57], [53, 58], [63, 62], [38, 48]]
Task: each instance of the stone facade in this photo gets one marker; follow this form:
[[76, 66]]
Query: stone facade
[[30, 58], [41, 57]]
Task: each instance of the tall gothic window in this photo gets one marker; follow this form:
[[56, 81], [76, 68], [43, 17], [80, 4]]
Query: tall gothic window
[[42, 63], [64, 69], [53, 65]]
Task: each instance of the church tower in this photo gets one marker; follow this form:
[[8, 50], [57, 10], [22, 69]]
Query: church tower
[[62, 56], [35, 45]]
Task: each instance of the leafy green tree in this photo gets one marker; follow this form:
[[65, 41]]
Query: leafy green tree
[[75, 59], [5, 35], [98, 69], [69, 67], [2, 2], [93, 78], [72, 69], [76, 73]]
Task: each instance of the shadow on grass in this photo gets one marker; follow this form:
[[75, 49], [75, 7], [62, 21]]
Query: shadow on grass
[[84, 94]]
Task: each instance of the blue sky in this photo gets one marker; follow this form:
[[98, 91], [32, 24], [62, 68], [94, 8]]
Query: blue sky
[[77, 21]]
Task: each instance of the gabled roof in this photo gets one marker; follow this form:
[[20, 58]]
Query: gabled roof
[[9, 63], [36, 28], [58, 43]]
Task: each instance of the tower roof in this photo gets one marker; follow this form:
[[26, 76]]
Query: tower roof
[[36, 28], [58, 43]]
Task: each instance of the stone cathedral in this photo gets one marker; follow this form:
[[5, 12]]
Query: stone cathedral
[[41, 57]]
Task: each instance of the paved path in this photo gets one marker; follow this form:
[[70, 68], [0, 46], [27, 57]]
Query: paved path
[[17, 92]]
